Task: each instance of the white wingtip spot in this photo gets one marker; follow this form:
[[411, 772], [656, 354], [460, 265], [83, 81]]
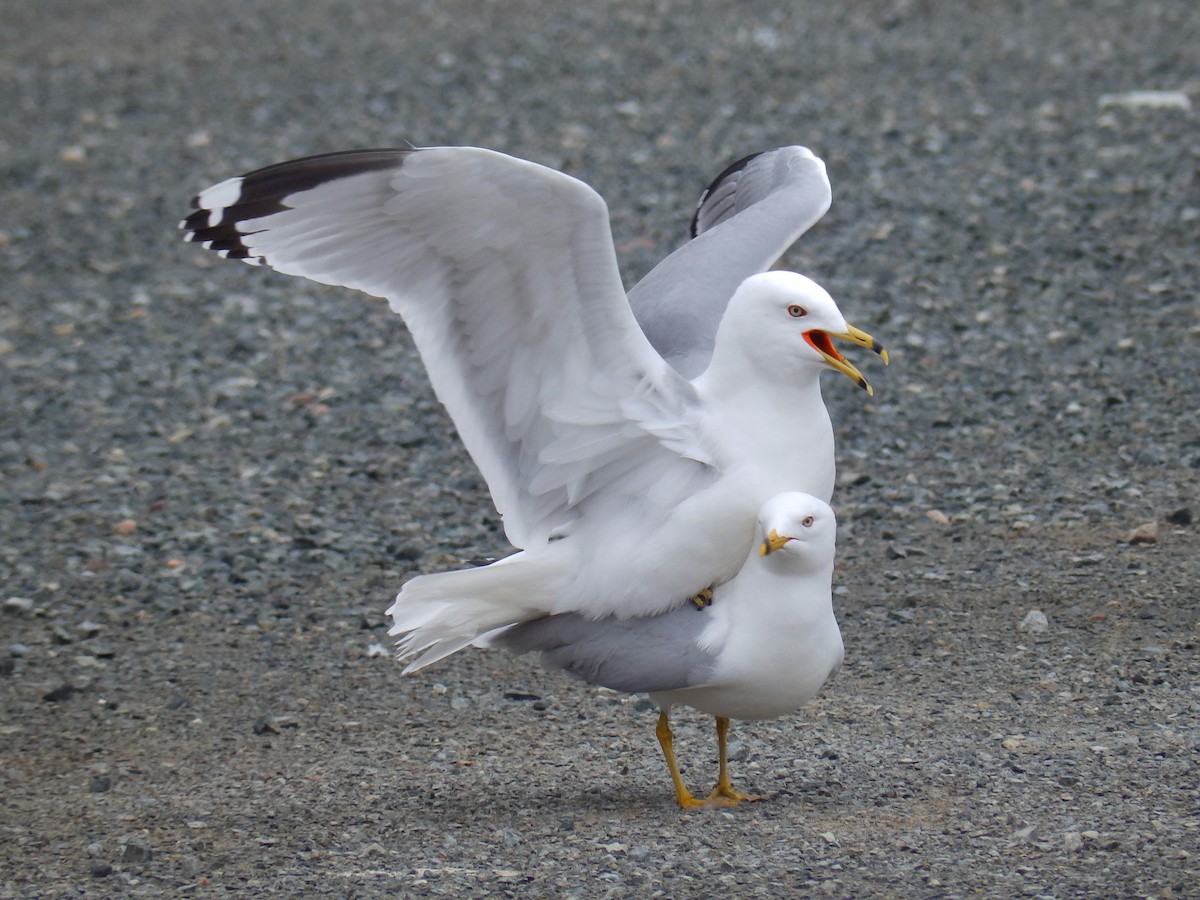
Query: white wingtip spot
[[220, 196]]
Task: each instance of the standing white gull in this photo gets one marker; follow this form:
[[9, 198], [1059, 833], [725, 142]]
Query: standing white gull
[[763, 649], [629, 488]]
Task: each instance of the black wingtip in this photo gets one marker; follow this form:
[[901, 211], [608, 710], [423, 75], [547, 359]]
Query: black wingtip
[[265, 191], [729, 171]]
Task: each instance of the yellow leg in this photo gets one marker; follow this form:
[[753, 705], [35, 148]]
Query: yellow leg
[[682, 795], [724, 794], [703, 598]]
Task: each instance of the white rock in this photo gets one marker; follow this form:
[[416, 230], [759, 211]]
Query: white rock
[[1035, 622], [1147, 100]]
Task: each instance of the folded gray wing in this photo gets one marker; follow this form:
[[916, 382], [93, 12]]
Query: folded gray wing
[[746, 219], [648, 654]]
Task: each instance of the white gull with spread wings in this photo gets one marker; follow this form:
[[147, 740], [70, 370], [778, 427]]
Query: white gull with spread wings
[[628, 487]]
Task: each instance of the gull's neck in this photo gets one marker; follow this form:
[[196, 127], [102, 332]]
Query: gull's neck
[[778, 425]]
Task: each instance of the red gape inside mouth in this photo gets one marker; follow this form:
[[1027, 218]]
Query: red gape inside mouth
[[820, 341]]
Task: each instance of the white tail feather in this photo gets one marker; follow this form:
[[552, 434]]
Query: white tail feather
[[436, 615]]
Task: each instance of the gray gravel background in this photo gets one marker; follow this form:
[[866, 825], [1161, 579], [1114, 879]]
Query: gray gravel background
[[215, 478]]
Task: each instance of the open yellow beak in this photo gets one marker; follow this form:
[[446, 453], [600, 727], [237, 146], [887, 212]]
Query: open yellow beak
[[772, 542], [820, 341], [860, 337]]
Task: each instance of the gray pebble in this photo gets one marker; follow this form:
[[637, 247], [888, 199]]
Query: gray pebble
[[1035, 622], [136, 851]]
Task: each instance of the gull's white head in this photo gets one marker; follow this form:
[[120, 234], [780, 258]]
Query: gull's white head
[[779, 317], [797, 531]]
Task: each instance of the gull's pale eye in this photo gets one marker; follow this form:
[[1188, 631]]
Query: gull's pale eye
[[796, 311], [808, 522]]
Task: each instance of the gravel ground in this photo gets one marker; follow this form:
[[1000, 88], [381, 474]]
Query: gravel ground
[[215, 478]]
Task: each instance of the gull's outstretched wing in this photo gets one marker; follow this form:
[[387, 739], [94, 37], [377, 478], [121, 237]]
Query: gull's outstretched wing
[[505, 273], [746, 220]]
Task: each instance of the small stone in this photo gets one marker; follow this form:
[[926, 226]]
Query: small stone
[[1035, 622], [136, 852], [1021, 835], [1072, 841], [275, 724], [1147, 100], [521, 696], [89, 629], [1181, 516], [190, 866], [124, 528], [62, 692], [18, 605], [1146, 533], [100, 784], [100, 870], [74, 153], [937, 516]]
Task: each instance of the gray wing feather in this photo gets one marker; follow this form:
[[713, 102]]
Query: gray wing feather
[[746, 219], [648, 654]]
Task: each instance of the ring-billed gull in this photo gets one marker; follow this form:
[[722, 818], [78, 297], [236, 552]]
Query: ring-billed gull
[[628, 487], [762, 649]]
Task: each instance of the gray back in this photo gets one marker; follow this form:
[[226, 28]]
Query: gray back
[[655, 653]]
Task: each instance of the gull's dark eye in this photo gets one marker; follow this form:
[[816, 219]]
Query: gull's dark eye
[[808, 522], [796, 311]]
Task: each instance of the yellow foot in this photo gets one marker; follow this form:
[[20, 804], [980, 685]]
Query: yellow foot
[[725, 795], [703, 598], [687, 801]]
